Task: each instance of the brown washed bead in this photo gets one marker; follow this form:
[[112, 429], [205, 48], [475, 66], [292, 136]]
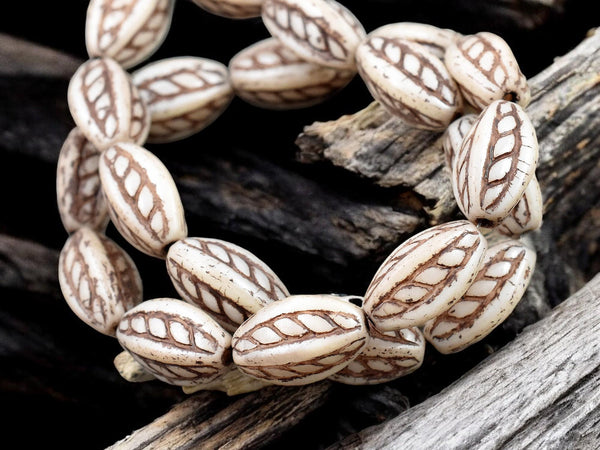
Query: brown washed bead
[[225, 280], [409, 81], [486, 70], [388, 355], [175, 341], [499, 285], [232, 9], [454, 136], [78, 189], [424, 276], [99, 281], [184, 95], [320, 31], [300, 340], [495, 163], [106, 106], [128, 31], [143, 200], [435, 39], [527, 215], [269, 75]]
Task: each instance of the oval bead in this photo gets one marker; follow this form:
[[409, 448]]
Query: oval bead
[[486, 70], [320, 31], [299, 340], [225, 280], [424, 276], [232, 9], [99, 281], [183, 95], [388, 355], [499, 285], [175, 341], [128, 31], [495, 163], [454, 135], [434, 39], [143, 200], [409, 81], [269, 75], [106, 106], [527, 215], [78, 189]]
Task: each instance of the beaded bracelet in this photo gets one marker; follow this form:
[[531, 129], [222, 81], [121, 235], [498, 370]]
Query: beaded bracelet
[[447, 285]]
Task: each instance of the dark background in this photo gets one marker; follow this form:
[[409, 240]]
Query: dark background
[[62, 389]]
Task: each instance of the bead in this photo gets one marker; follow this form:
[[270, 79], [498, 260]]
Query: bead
[[225, 280], [388, 355], [269, 75], [175, 341], [409, 81], [183, 95], [99, 281], [495, 163], [486, 70], [128, 31], [424, 276], [143, 200], [106, 106], [299, 340], [527, 215], [320, 31], [454, 135], [501, 282], [434, 39], [78, 189], [232, 9]]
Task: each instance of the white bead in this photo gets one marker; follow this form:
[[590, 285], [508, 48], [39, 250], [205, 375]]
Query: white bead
[[106, 106], [183, 94], [424, 276], [495, 163], [499, 285], [175, 341], [388, 355], [98, 280], [225, 280], [144, 203], [486, 70], [527, 215], [299, 340], [269, 75], [128, 31], [454, 136], [321, 31], [435, 39], [78, 189], [232, 9], [409, 81]]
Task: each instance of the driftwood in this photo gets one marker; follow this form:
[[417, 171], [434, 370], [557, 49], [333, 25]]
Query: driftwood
[[540, 391], [322, 228]]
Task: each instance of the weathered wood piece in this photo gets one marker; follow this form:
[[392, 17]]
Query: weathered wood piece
[[250, 422], [540, 391]]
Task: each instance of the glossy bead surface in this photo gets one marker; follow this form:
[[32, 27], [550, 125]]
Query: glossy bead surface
[[144, 203], [424, 276], [99, 281], [175, 341], [299, 340]]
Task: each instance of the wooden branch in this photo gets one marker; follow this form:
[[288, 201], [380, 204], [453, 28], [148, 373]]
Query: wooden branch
[[540, 391], [251, 421]]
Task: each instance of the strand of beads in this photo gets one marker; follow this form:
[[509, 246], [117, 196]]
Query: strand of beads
[[237, 319]]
